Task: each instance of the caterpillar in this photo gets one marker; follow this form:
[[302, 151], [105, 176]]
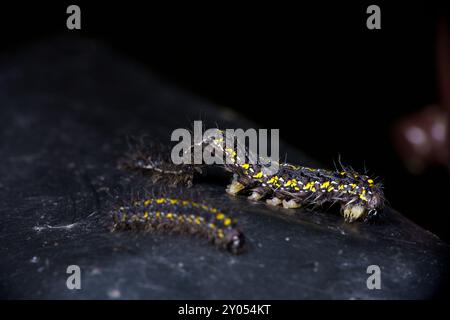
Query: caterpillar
[[153, 159], [360, 196], [152, 214]]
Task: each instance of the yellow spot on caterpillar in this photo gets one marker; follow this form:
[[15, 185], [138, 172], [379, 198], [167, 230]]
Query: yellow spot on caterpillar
[[229, 150], [169, 215], [341, 187], [325, 185], [232, 153], [227, 222], [308, 186], [258, 175], [158, 214], [213, 210], [362, 195], [145, 215], [147, 202], [220, 233], [195, 204], [343, 173], [296, 188], [245, 166], [220, 216], [185, 202], [274, 179], [204, 207], [330, 189], [291, 182], [212, 225], [313, 189], [370, 181], [353, 185], [160, 200], [173, 201], [198, 220]]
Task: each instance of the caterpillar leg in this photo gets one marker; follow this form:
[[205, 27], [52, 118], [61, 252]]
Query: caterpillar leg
[[257, 193], [291, 204], [255, 196], [274, 201], [353, 212], [235, 187]]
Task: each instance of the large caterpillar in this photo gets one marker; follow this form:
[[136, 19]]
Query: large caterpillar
[[292, 186], [179, 215]]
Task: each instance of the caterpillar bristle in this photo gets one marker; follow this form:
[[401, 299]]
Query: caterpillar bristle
[[153, 160]]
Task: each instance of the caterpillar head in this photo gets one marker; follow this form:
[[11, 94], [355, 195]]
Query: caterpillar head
[[211, 137], [367, 201], [235, 241], [375, 200]]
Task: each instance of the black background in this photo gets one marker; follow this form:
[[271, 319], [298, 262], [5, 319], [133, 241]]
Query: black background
[[313, 70]]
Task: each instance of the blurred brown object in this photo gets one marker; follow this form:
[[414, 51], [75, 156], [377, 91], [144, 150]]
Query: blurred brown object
[[421, 139]]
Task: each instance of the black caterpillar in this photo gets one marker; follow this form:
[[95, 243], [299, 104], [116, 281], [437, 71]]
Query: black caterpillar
[[293, 186], [360, 196], [152, 214]]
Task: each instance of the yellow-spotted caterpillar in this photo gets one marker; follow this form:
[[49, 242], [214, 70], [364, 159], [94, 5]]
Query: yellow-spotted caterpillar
[[293, 186], [152, 214]]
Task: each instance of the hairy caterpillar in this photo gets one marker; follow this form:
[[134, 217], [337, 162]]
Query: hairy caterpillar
[[179, 215], [292, 186], [153, 159]]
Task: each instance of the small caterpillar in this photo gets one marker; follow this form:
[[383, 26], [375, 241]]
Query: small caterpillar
[[293, 186], [179, 215], [154, 160]]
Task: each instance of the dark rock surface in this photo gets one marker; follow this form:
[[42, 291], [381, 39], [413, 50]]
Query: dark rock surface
[[66, 109]]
